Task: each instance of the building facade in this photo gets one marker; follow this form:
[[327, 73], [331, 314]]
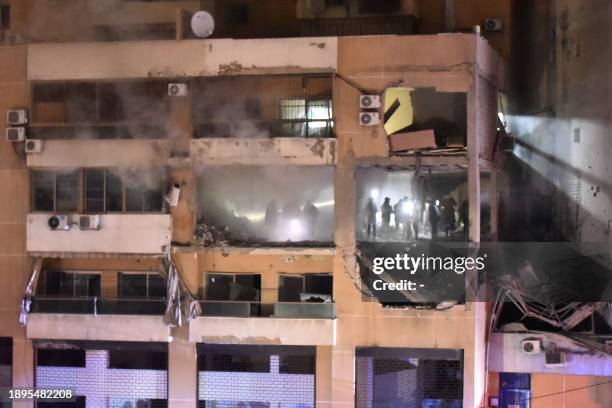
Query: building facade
[[236, 170]]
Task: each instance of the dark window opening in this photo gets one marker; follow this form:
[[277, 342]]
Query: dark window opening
[[66, 196], [79, 402], [60, 358], [236, 14], [6, 351], [142, 360], [238, 287], [297, 364], [234, 362], [133, 285], [70, 284], [379, 7], [43, 195], [5, 16], [308, 287]]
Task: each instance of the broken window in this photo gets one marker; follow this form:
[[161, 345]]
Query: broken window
[[139, 285], [311, 287], [260, 204], [233, 287], [397, 205]]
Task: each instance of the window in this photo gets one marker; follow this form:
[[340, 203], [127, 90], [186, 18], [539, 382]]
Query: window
[[54, 191], [71, 284], [238, 287], [103, 191], [306, 117], [141, 285], [294, 288], [5, 16]]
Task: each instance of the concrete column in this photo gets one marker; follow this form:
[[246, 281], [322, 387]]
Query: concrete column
[[473, 162], [182, 370], [494, 198], [23, 367], [323, 377], [343, 377]]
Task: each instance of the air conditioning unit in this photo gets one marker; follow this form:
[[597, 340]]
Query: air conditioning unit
[[493, 24], [15, 134], [16, 117], [555, 359], [369, 101], [531, 346], [33, 146], [58, 222], [176, 89], [369, 119], [89, 222]]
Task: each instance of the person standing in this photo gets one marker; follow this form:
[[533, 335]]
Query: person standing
[[434, 219], [370, 217], [386, 210]]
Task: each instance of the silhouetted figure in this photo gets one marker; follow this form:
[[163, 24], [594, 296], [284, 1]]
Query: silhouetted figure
[[386, 210], [464, 215], [448, 215], [370, 217], [311, 216], [272, 215], [400, 217], [434, 219]]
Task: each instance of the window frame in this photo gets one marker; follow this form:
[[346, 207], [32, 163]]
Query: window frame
[[307, 121], [81, 193]]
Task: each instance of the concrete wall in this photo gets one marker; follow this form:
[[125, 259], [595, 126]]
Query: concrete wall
[[118, 233], [14, 181], [100, 153], [87, 327], [265, 330], [188, 58], [293, 151]]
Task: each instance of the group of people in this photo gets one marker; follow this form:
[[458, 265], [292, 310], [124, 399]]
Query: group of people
[[409, 214], [294, 222]]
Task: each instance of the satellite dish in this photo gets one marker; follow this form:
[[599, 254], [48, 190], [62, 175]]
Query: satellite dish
[[202, 24]]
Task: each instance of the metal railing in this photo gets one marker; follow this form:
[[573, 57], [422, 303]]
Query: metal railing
[[303, 310], [98, 306], [230, 308]]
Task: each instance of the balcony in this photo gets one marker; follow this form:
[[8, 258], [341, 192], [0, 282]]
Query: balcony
[[93, 318], [291, 323], [118, 233]]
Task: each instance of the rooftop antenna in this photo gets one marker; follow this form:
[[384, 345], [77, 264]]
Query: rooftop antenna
[[202, 24]]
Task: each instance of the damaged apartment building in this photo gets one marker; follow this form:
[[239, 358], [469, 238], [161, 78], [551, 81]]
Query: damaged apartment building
[[185, 219]]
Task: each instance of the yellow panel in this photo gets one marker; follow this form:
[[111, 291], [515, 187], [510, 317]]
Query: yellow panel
[[398, 110]]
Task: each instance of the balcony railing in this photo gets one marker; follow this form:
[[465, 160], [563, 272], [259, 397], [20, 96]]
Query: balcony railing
[[304, 310], [99, 306]]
